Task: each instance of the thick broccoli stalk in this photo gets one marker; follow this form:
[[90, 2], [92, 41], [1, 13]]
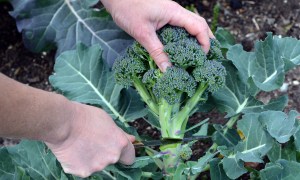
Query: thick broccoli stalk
[[173, 95]]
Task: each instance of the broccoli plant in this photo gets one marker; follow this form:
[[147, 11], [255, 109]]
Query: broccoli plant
[[255, 138], [173, 96]]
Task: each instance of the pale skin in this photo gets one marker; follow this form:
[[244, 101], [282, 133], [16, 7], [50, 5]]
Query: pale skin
[[80, 136]]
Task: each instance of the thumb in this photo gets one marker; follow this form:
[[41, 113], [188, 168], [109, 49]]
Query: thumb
[[131, 138], [127, 156], [152, 44]]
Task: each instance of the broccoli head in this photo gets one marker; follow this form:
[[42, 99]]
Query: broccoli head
[[212, 73], [173, 95], [170, 34], [127, 69], [185, 53], [215, 52], [173, 83]]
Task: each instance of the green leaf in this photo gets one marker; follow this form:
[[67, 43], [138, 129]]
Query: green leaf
[[297, 139], [202, 162], [289, 49], [233, 167], [179, 173], [7, 168], [65, 23], [279, 125], [203, 131], [236, 96], [225, 38], [252, 148], [278, 151], [31, 157], [82, 76], [228, 138], [282, 169], [217, 171], [243, 61], [114, 172], [20, 174], [257, 141], [266, 65]]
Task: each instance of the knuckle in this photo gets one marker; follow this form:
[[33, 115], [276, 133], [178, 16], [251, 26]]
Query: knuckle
[[82, 174], [114, 158], [174, 6], [123, 142], [99, 167], [156, 52], [141, 33]]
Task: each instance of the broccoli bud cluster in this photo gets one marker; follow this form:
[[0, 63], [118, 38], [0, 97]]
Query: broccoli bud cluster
[[178, 90]]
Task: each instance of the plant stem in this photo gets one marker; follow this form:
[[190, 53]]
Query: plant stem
[[145, 95], [165, 112], [180, 120], [147, 174]]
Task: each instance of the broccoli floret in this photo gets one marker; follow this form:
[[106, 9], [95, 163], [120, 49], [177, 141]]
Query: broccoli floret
[[173, 83], [170, 34], [213, 73], [185, 53], [136, 51], [151, 76], [172, 96], [215, 52], [185, 152], [127, 69]]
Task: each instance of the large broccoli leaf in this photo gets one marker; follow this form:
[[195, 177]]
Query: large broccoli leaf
[[282, 169], [258, 140], [31, 157], [266, 65], [82, 76], [33, 160], [64, 23], [236, 97]]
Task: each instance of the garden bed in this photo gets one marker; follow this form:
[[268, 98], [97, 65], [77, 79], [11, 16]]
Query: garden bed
[[248, 21]]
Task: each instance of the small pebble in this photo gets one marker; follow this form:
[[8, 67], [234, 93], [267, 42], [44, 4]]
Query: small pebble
[[296, 83], [284, 87]]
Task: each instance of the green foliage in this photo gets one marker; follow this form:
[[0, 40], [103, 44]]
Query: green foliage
[[216, 12], [227, 79]]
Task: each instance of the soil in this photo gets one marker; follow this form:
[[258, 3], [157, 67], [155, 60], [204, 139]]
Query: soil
[[247, 20]]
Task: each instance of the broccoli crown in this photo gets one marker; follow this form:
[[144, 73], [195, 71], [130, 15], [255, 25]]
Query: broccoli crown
[[170, 34], [215, 52], [151, 76], [185, 152], [212, 72], [173, 83], [136, 51], [191, 66], [126, 69], [185, 53]]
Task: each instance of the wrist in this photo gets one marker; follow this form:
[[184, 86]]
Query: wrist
[[63, 121]]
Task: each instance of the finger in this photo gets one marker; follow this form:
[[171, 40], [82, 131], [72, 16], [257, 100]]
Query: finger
[[131, 138], [155, 48], [127, 156], [195, 25], [211, 34]]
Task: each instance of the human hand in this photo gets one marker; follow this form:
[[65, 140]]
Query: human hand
[[141, 19], [94, 141]]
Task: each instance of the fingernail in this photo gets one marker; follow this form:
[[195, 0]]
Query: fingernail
[[164, 66]]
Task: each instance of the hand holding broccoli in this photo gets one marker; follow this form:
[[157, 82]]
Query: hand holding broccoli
[[142, 21], [94, 141]]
